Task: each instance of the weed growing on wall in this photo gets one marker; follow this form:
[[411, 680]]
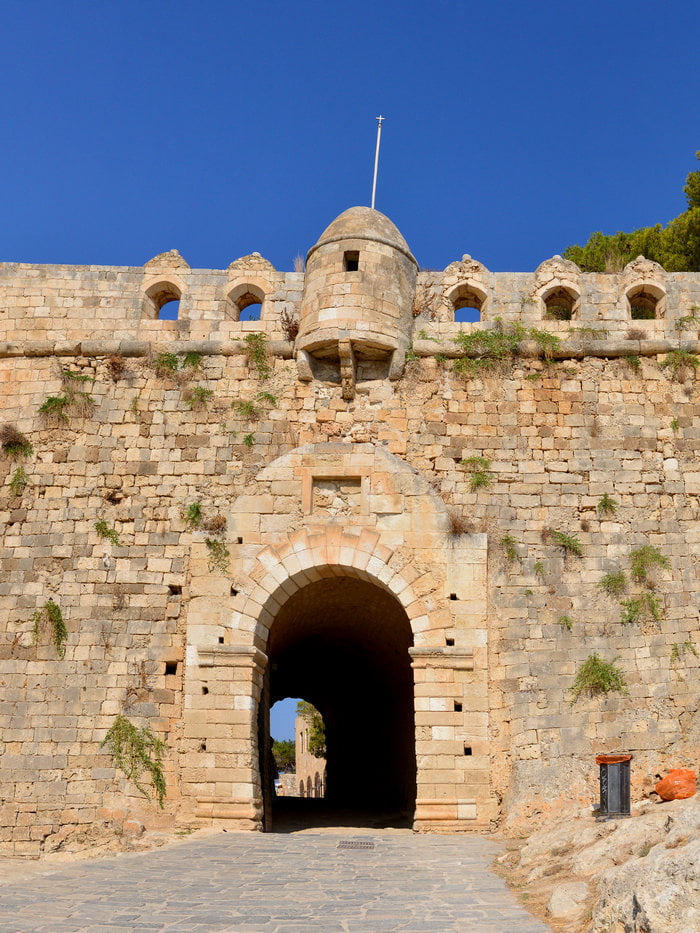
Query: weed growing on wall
[[643, 560], [539, 568], [256, 351], [459, 524], [14, 443], [219, 555], [104, 531], [198, 397], [19, 481], [613, 583], [687, 322], [597, 676], [116, 367], [249, 440], [606, 505], [485, 349], [246, 409], [134, 751], [680, 363], [191, 360], [570, 543], [480, 470], [509, 546], [193, 515], [50, 616], [634, 363], [678, 649], [70, 377], [217, 524], [165, 365], [566, 622], [290, 325], [80, 402], [54, 409], [646, 607], [675, 425]]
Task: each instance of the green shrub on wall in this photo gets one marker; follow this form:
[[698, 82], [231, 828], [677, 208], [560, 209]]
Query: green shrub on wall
[[137, 750], [50, 616], [597, 676]]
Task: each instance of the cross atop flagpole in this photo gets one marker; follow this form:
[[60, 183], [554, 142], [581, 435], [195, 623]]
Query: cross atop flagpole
[[380, 120]]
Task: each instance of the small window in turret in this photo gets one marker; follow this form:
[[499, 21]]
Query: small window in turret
[[351, 260]]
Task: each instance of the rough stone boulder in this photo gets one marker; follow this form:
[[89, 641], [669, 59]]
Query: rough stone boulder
[[659, 893], [634, 875], [568, 900]]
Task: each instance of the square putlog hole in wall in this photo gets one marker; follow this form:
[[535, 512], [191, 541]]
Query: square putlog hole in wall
[[170, 668]]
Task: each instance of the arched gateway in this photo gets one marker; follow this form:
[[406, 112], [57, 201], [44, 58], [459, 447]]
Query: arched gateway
[[348, 588]]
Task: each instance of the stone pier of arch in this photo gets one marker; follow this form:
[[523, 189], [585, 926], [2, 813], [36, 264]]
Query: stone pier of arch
[[355, 592]]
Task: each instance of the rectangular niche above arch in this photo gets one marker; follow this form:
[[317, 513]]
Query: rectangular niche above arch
[[331, 494], [336, 497]]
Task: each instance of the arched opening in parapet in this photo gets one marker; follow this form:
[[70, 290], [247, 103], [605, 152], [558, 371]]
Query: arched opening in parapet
[[343, 644], [560, 304], [645, 302], [163, 301], [467, 303], [247, 302]]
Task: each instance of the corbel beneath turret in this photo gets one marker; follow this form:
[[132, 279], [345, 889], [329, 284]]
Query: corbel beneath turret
[[304, 371], [397, 364], [348, 369]]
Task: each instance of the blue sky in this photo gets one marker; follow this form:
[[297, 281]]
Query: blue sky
[[513, 129]]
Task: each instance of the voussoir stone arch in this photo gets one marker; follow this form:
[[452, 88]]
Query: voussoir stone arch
[[309, 556], [331, 509]]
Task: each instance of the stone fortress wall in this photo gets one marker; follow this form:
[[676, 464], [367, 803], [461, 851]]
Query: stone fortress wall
[[344, 464]]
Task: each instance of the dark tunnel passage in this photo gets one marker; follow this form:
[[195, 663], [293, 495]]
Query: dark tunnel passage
[[342, 644]]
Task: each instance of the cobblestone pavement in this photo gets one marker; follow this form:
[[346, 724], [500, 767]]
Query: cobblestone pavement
[[297, 883]]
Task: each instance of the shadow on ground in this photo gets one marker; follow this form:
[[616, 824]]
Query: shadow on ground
[[297, 814]]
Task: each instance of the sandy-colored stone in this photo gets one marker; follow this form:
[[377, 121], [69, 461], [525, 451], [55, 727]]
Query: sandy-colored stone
[[350, 471]]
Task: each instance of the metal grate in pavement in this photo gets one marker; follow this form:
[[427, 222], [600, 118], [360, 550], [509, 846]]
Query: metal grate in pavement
[[355, 844]]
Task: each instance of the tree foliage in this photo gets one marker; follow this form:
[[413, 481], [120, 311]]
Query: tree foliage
[[284, 752], [676, 246], [317, 729]]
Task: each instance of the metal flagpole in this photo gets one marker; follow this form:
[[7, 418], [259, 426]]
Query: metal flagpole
[[380, 120]]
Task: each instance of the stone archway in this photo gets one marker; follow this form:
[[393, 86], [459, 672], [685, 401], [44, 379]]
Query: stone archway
[[388, 542], [343, 643]]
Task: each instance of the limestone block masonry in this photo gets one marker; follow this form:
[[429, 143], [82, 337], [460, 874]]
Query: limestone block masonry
[[205, 525]]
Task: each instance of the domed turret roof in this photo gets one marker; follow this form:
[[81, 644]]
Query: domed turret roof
[[363, 223]]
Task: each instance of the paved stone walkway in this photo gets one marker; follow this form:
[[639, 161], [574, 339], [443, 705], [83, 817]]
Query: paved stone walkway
[[298, 883]]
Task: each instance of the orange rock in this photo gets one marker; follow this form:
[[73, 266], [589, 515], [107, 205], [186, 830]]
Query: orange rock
[[678, 784]]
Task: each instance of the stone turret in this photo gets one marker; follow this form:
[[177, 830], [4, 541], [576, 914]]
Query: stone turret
[[358, 294]]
